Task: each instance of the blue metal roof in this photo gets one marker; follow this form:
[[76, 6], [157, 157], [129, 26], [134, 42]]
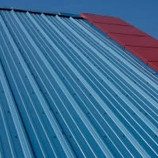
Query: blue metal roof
[[66, 90]]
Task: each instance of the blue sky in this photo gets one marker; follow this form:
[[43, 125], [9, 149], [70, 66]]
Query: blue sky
[[141, 13]]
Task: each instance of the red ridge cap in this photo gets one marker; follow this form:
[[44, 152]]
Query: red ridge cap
[[136, 41]]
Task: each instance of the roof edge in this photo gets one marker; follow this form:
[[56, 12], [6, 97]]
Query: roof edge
[[84, 16], [139, 43]]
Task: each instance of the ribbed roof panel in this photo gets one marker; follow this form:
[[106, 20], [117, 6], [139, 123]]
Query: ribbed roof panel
[[66, 90]]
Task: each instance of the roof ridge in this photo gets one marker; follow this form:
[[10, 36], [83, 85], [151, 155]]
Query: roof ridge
[[61, 14]]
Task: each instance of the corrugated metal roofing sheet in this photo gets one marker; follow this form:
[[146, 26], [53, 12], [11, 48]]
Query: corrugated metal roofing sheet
[[66, 90], [139, 43]]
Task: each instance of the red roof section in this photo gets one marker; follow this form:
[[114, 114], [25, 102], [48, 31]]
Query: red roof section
[[139, 43]]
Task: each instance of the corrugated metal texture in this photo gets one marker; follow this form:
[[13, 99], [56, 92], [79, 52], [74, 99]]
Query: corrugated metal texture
[[67, 91], [139, 43]]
